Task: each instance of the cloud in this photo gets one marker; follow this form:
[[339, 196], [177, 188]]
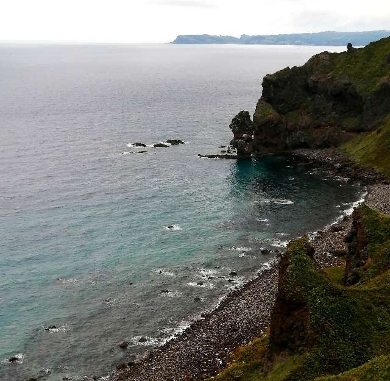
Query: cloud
[[185, 3], [317, 20]]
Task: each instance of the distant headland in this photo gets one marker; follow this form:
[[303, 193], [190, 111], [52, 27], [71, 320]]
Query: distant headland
[[318, 39]]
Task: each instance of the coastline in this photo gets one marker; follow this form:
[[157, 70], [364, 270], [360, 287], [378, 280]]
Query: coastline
[[203, 349]]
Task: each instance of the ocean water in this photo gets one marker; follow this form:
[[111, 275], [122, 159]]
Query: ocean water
[[84, 245]]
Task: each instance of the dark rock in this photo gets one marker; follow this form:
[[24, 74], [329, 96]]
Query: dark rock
[[242, 128], [289, 331], [130, 363], [357, 256], [142, 151], [221, 156], [222, 146], [143, 340], [123, 344], [350, 48], [339, 253], [336, 228], [200, 283], [265, 252], [230, 280], [139, 145], [160, 145], [13, 359], [165, 291], [121, 366], [32, 379], [175, 142], [233, 273], [50, 327], [197, 299]]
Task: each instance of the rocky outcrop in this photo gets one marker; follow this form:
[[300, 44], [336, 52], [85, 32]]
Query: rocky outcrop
[[290, 331], [324, 103], [242, 128], [368, 246]]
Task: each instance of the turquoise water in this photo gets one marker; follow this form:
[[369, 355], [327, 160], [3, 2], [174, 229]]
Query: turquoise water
[[84, 244]]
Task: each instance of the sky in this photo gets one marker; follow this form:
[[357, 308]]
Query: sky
[[149, 21]]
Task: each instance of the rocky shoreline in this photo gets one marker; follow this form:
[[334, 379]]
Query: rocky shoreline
[[203, 349]]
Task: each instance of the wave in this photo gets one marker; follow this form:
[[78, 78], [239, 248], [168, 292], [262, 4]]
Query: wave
[[241, 248], [173, 228], [276, 242], [201, 285], [163, 272], [277, 201], [54, 329], [145, 341], [172, 294], [18, 359]]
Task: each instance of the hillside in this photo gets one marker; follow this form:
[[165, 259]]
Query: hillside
[[318, 39], [334, 100], [332, 325]]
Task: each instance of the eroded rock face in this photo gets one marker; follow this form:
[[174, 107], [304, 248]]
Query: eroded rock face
[[357, 257], [320, 104], [289, 330], [242, 128]]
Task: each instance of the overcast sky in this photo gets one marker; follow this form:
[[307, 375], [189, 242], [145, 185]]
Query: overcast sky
[[162, 20]]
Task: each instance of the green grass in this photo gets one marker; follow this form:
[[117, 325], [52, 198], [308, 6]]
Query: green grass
[[350, 326], [372, 149], [378, 369], [366, 68]]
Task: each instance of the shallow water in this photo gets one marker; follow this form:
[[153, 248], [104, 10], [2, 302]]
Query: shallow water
[[84, 244]]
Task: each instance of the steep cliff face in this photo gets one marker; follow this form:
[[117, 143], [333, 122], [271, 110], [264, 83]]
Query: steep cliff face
[[368, 246], [324, 103]]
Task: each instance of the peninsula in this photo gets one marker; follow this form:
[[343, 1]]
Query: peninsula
[[316, 39]]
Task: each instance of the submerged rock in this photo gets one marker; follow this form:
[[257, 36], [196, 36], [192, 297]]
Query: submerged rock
[[139, 144]]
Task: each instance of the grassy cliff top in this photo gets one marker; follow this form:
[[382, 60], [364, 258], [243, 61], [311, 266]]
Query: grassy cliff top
[[366, 68]]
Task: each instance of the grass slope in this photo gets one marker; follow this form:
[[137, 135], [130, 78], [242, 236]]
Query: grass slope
[[372, 149], [350, 325]]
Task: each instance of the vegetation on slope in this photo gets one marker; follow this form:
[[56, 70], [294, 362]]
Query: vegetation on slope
[[321, 329], [372, 149]]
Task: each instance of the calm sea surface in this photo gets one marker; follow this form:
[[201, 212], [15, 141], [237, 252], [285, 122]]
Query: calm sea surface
[[84, 245]]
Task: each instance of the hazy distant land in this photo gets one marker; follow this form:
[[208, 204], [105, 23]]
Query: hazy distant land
[[317, 39]]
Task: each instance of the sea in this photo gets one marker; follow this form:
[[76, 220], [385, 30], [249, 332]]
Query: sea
[[100, 243]]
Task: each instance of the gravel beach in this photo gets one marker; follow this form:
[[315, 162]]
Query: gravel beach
[[203, 349]]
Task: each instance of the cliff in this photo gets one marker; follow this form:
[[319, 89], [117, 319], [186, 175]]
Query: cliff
[[332, 100], [322, 327]]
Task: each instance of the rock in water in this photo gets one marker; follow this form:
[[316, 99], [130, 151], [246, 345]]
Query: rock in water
[[175, 142], [123, 344], [242, 128], [160, 145], [139, 144]]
